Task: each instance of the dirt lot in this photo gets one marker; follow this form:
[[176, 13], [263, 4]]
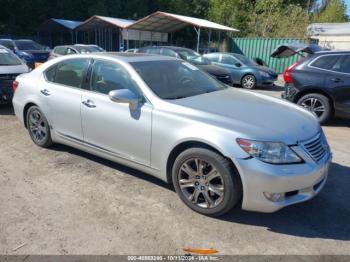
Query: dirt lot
[[63, 201]]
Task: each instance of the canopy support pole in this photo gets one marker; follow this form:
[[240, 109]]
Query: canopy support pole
[[209, 38], [198, 31], [127, 39]]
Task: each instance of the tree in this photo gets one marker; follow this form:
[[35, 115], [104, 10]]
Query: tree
[[331, 12]]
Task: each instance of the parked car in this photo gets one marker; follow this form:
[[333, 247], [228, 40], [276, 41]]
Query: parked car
[[10, 67], [30, 51], [132, 50], [75, 49], [192, 57], [320, 83], [166, 117], [244, 71]]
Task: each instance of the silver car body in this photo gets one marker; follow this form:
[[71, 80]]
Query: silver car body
[[147, 137]]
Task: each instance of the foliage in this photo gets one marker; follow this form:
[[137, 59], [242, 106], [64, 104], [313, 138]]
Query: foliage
[[255, 18]]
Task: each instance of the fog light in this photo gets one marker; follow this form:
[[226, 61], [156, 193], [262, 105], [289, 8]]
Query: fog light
[[274, 197]]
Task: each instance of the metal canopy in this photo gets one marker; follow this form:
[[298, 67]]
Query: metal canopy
[[54, 24], [167, 22], [96, 21]]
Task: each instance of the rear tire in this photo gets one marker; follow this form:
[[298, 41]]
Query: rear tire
[[319, 105], [213, 189], [38, 127]]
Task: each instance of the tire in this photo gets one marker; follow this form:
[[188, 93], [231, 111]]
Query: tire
[[38, 127], [226, 182], [248, 81], [321, 103]]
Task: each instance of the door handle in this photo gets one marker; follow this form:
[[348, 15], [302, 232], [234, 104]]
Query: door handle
[[337, 80], [89, 103], [45, 92]]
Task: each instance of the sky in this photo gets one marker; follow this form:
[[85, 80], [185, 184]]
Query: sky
[[347, 2]]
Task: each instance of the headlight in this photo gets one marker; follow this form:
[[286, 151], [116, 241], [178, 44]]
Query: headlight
[[269, 152], [264, 74]]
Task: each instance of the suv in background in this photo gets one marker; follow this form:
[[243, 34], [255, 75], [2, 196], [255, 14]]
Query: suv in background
[[74, 49], [192, 57], [320, 83]]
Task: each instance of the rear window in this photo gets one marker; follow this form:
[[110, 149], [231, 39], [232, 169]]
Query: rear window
[[7, 58], [326, 62]]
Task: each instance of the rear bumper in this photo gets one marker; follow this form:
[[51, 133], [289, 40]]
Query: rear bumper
[[290, 93], [297, 183]]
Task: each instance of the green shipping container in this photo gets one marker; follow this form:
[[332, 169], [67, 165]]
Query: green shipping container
[[262, 48]]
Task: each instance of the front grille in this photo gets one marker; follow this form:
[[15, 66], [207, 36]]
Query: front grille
[[317, 147]]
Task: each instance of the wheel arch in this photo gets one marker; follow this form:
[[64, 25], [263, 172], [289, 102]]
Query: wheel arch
[[25, 110], [314, 91], [179, 148]]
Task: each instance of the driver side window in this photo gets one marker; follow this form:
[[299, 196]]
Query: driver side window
[[229, 60], [107, 76]]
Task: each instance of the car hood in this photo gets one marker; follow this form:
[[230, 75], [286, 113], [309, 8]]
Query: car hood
[[266, 69], [252, 115], [15, 69], [290, 49], [213, 69], [36, 51]]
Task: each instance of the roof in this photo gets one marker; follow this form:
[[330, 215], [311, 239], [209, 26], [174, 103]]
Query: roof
[[133, 57], [167, 22], [96, 20], [328, 29], [55, 24]]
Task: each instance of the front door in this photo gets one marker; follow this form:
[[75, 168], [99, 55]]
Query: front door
[[111, 126]]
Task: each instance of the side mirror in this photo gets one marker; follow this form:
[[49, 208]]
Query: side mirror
[[238, 64], [125, 96]]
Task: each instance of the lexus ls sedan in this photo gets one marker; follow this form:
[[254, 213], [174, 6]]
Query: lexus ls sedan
[[169, 119]]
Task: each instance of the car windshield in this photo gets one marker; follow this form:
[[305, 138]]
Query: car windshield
[[7, 58], [245, 60], [193, 57], [7, 43], [28, 45], [89, 49], [170, 79]]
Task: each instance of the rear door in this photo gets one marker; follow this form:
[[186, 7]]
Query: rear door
[[338, 82], [61, 96]]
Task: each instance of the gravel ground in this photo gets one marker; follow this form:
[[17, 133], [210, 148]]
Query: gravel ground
[[64, 201]]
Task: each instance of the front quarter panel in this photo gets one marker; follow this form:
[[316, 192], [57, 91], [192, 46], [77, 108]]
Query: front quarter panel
[[172, 129]]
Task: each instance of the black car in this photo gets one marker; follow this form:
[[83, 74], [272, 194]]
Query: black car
[[320, 82], [192, 57]]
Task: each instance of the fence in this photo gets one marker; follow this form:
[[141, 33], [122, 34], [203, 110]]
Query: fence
[[262, 48]]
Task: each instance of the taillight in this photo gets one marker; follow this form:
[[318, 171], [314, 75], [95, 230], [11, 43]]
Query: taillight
[[287, 75], [15, 85]]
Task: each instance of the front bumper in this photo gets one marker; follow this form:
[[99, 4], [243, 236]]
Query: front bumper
[[296, 182], [266, 81]]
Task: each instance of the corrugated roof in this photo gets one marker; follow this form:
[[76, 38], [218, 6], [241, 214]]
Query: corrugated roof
[[71, 24], [167, 22], [97, 19]]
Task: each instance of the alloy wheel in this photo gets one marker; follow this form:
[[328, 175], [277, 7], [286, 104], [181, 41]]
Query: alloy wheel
[[37, 126], [314, 105], [248, 82], [201, 183]]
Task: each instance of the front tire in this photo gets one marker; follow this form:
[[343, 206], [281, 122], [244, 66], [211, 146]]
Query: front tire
[[206, 181], [317, 104], [248, 81], [38, 127]]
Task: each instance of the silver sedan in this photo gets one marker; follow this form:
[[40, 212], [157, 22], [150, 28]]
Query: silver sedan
[[219, 146]]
